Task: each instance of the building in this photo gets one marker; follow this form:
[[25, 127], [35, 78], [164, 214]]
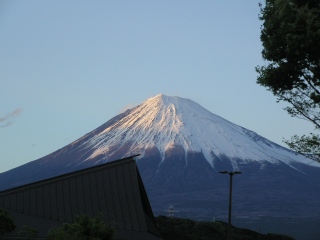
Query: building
[[114, 190]]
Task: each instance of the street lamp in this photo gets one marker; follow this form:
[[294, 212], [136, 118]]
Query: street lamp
[[230, 199]]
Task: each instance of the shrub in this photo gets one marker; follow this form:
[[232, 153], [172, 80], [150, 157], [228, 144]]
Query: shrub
[[83, 228]]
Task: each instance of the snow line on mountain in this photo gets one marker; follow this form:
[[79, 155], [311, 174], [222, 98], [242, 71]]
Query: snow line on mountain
[[164, 122]]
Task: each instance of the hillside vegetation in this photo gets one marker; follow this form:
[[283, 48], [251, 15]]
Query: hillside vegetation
[[186, 229]]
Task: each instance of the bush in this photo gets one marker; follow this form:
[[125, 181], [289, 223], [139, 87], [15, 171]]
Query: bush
[[28, 233], [84, 228], [6, 223]]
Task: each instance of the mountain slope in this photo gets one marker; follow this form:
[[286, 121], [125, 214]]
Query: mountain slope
[[164, 122], [182, 148]]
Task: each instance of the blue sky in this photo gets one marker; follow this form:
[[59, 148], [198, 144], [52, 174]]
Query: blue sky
[[66, 67]]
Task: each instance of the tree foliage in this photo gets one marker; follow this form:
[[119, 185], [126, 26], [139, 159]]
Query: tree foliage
[[186, 229], [290, 35], [6, 223], [28, 233], [84, 228]]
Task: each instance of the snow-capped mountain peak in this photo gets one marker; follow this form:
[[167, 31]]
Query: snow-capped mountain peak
[[182, 148], [165, 122]]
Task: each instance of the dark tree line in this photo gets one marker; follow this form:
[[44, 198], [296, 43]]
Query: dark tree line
[[87, 228], [83, 228], [186, 229]]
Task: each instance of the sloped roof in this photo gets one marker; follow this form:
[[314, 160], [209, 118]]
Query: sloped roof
[[114, 190]]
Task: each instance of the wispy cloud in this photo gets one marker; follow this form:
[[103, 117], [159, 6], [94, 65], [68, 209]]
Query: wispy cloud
[[8, 119]]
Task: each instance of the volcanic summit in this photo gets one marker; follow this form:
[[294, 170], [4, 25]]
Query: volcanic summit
[[182, 148]]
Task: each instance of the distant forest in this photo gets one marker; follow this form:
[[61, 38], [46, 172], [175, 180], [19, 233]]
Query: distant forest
[[170, 228], [186, 229]]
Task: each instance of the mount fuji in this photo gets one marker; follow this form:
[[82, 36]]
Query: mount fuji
[[182, 148]]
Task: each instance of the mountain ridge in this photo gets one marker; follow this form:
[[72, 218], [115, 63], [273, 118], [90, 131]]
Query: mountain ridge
[[183, 147], [164, 122], [159, 125]]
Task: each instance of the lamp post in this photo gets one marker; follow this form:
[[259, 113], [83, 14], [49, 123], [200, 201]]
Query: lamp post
[[230, 200]]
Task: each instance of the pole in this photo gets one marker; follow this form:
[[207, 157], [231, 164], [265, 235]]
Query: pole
[[230, 201], [230, 207]]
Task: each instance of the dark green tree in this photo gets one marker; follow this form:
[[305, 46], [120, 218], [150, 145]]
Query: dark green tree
[[290, 35], [6, 223], [83, 228]]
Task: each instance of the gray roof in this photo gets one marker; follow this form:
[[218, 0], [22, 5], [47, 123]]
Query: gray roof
[[114, 190]]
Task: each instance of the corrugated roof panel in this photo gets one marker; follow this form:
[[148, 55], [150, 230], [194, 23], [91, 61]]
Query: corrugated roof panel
[[114, 190]]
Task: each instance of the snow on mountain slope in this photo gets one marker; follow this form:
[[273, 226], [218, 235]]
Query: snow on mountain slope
[[164, 122]]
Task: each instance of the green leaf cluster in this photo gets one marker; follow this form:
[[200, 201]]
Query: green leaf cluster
[[290, 36], [306, 144], [83, 228]]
